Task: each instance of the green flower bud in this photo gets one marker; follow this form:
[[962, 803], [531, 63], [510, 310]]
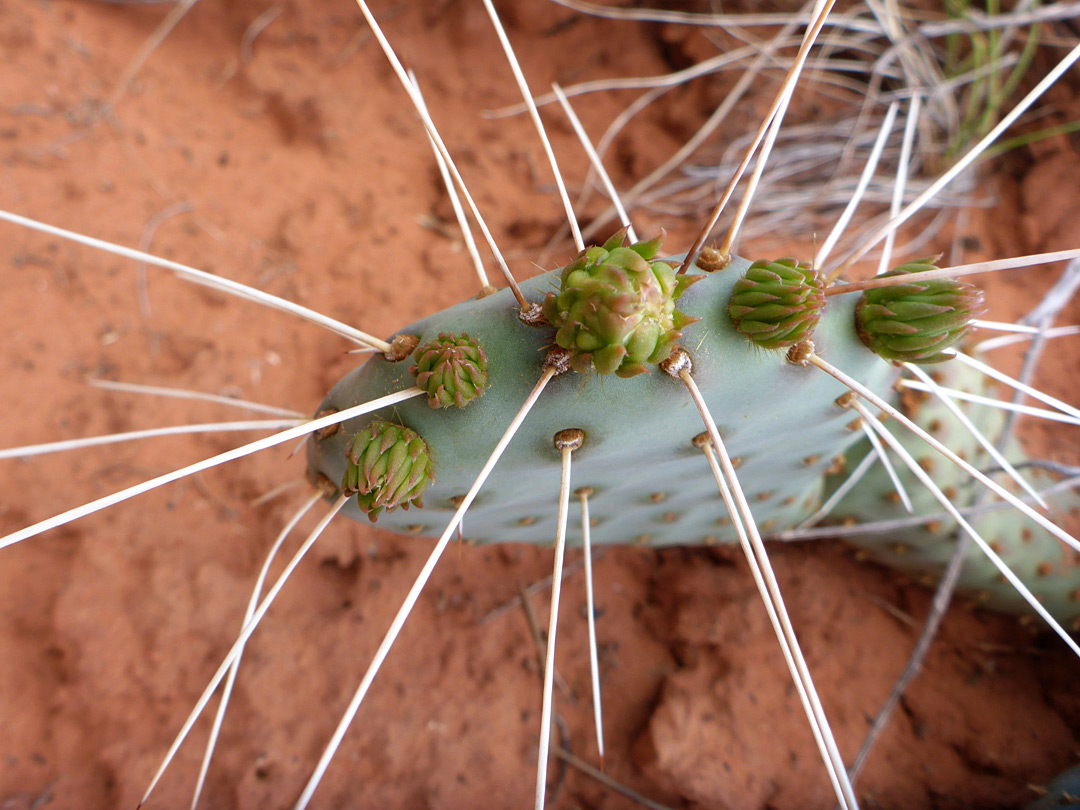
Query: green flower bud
[[387, 466], [777, 304], [452, 369], [615, 309], [915, 322]]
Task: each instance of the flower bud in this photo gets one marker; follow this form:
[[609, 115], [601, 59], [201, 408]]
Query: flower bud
[[915, 322], [615, 309], [387, 466], [452, 369], [777, 304]]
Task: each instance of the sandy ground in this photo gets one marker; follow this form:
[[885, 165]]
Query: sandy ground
[[291, 161]]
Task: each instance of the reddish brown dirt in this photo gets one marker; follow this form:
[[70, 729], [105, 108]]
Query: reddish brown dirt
[[299, 167]]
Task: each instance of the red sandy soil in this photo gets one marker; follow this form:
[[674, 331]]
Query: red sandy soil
[[295, 164]]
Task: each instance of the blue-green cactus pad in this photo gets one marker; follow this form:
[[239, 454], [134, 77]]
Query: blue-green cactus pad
[[650, 485], [1042, 561]]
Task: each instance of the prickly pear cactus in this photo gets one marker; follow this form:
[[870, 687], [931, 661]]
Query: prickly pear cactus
[[650, 484], [781, 421], [1062, 793]]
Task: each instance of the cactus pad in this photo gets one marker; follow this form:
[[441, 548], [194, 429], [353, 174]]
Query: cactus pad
[[1045, 565], [777, 304], [387, 466], [452, 369], [650, 484], [615, 309], [916, 322]]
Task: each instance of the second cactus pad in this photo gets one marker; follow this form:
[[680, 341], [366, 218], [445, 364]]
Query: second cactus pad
[[615, 309], [924, 548]]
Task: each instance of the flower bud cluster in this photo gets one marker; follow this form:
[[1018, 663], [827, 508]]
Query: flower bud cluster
[[452, 369]]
